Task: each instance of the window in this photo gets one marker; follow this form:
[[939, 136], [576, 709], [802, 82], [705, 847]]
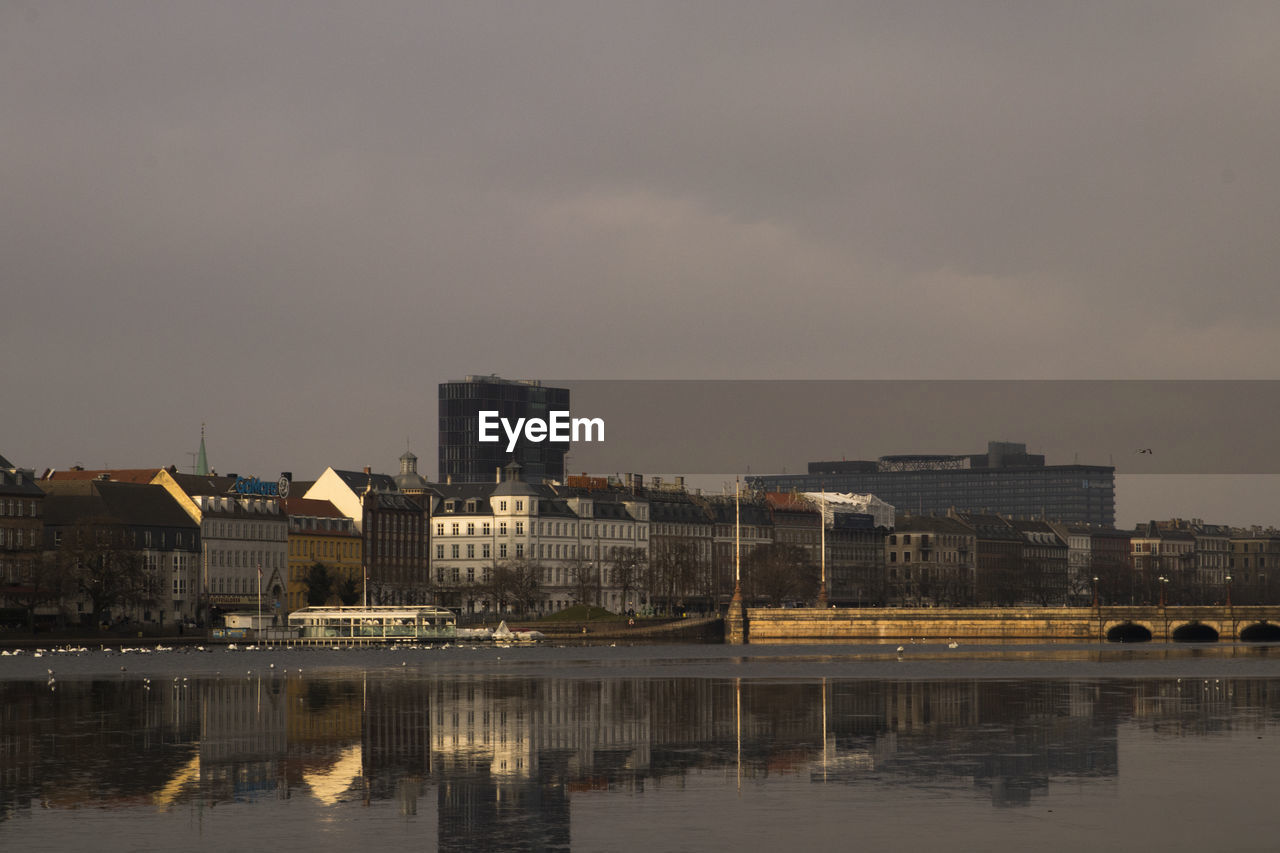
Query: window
[[502, 506], [455, 529], [440, 529], [519, 549], [502, 528], [502, 551], [471, 529], [484, 529], [471, 552], [439, 552], [519, 506], [455, 549], [519, 528], [484, 550]]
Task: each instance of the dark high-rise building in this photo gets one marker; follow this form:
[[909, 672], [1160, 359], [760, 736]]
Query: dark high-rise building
[[1005, 480], [465, 459]]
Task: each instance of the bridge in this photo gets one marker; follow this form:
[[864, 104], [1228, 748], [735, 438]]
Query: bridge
[[1201, 624]]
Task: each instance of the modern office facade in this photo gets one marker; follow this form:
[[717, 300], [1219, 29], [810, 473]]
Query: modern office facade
[[1005, 480], [465, 459]]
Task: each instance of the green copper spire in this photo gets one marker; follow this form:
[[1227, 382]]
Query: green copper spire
[[202, 461]]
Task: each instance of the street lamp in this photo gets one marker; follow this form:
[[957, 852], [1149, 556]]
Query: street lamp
[[1095, 592], [1228, 590], [1163, 581]]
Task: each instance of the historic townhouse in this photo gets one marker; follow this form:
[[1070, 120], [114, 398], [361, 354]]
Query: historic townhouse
[[929, 560], [142, 521], [1254, 566], [21, 538], [244, 541], [319, 534], [393, 529], [681, 538], [576, 541], [1164, 564], [1045, 563], [998, 561]]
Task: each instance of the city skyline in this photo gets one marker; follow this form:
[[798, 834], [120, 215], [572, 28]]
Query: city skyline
[[286, 225]]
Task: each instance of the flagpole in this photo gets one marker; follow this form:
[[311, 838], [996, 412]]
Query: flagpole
[[255, 633]]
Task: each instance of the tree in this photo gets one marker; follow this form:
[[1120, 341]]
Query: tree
[[349, 591], [627, 569], [585, 580], [782, 572], [516, 581], [673, 571], [319, 584], [50, 582], [97, 557]]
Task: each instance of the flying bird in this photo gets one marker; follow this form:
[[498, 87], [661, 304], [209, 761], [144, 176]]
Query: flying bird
[[1143, 450]]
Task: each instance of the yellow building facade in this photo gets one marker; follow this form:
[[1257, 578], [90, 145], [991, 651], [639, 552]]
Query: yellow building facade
[[320, 533]]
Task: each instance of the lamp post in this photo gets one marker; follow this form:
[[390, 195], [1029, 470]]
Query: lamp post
[[822, 536], [1095, 592], [1228, 591], [1163, 580]]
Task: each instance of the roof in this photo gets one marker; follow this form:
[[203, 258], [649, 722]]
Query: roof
[[359, 481], [15, 481], [195, 484], [127, 503], [119, 475], [311, 507], [935, 524]]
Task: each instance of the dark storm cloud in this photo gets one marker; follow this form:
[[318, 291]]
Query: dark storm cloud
[[293, 220]]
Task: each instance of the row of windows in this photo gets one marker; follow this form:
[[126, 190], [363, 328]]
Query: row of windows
[[246, 530], [12, 538], [323, 548], [246, 559], [542, 528], [19, 507]]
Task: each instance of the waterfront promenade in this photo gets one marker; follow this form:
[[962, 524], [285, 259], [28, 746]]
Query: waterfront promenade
[[1013, 624]]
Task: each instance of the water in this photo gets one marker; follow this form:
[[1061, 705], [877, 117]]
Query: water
[[642, 748]]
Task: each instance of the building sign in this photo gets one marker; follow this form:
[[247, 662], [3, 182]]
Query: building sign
[[254, 486]]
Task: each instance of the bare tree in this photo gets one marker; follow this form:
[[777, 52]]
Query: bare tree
[[781, 572], [50, 583], [627, 570], [517, 581], [585, 581], [98, 558], [672, 572]]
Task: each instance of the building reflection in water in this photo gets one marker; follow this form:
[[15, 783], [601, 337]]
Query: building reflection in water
[[503, 757]]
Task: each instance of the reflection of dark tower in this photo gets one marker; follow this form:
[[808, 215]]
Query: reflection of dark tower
[[483, 813], [465, 459]]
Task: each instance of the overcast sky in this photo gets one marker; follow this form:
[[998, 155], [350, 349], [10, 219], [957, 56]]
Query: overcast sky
[[292, 220]]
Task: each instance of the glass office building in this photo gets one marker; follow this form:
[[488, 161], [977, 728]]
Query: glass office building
[[465, 459], [1005, 480]]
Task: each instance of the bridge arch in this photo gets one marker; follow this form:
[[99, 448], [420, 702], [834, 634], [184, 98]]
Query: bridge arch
[[1129, 632], [1260, 632], [1194, 632]]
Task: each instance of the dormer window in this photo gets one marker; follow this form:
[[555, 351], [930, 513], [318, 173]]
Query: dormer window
[[450, 505]]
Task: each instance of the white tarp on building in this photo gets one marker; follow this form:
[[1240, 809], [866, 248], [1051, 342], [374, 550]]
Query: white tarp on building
[[839, 502]]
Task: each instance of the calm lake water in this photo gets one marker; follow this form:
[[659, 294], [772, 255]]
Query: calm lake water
[[643, 748]]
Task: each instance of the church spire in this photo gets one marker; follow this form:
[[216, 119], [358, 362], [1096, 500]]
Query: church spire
[[202, 460]]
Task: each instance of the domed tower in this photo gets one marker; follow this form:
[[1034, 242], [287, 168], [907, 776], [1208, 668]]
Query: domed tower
[[409, 481]]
